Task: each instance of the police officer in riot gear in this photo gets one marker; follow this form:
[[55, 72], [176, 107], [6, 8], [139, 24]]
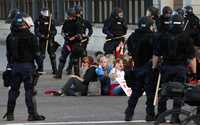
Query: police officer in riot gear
[[22, 52], [175, 48], [45, 30], [164, 20], [115, 28], [140, 46], [72, 35], [86, 30], [192, 25]]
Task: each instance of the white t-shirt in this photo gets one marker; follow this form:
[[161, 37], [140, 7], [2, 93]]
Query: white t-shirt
[[119, 74]]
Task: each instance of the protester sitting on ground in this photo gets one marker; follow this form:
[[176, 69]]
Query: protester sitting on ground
[[79, 85], [102, 72], [76, 85], [117, 73]]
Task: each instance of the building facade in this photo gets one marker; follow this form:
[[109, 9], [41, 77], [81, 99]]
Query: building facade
[[94, 10]]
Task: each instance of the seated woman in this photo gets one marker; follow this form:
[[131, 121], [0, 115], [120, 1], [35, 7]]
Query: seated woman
[[102, 72], [116, 72], [79, 85], [117, 76]]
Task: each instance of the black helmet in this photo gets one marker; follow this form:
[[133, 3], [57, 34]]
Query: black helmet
[[116, 11], [78, 8], [180, 11], [153, 12], [167, 11], [71, 12], [177, 23], [188, 10], [45, 12], [145, 23]]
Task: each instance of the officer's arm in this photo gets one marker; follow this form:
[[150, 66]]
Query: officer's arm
[[89, 26], [36, 52], [36, 28], [53, 31], [106, 28], [8, 49]]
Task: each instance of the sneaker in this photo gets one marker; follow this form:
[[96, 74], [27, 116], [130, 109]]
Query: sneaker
[[36, 117], [9, 116], [150, 118]]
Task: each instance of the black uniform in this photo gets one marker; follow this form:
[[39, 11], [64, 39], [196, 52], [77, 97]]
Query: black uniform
[[140, 45], [70, 29], [175, 48], [22, 51], [114, 27], [84, 25], [41, 31]]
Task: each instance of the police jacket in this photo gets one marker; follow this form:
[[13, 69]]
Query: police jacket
[[42, 27], [175, 49], [84, 25], [71, 29], [115, 27], [163, 24], [22, 47], [140, 45]]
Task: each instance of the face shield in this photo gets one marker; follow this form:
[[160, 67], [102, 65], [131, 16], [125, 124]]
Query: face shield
[[45, 13]]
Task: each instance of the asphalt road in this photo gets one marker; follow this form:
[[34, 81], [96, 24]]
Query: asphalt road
[[89, 110]]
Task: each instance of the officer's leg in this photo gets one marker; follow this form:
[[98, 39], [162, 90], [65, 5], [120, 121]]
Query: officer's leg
[[133, 99], [162, 100], [42, 46], [53, 62], [52, 56], [149, 88], [177, 102], [62, 60], [12, 97], [76, 66], [70, 65]]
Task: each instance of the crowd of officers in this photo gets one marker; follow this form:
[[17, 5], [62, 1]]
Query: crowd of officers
[[166, 43]]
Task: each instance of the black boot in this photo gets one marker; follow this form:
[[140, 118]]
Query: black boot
[[36, 117], [9, 116], [70, 65], [54, 66], [76, 67], [59, 72]]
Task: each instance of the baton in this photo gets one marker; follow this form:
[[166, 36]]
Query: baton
[[185, 25], [157, 89], [115, 38]]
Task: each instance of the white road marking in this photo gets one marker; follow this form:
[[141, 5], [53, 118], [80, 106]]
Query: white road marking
[[77, 123]]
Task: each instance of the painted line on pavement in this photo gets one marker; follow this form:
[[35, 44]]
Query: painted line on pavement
[[77, 123]]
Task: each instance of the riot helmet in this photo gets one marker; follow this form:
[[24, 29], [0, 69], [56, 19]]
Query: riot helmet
[[78, 9], [117, 13], [71, 14], [167, 11], [180, 12], [188, 10], [45, 12], [145, 23]]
